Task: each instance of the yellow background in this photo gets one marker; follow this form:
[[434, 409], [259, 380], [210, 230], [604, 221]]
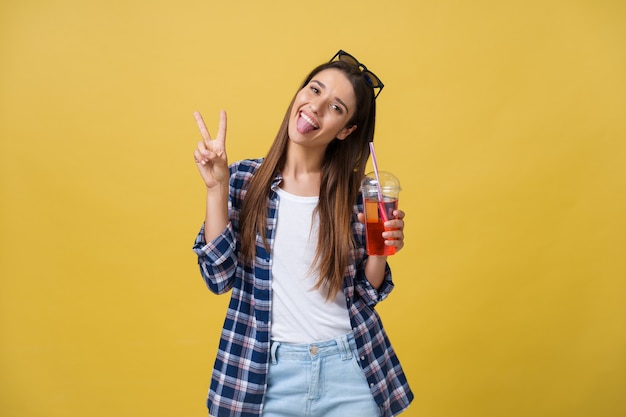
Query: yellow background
[[504, 120]]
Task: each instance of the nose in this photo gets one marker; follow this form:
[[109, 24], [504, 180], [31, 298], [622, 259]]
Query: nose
[[313, 106], [317, 104]]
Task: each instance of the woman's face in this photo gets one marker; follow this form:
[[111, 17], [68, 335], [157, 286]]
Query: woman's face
[[322, 109]]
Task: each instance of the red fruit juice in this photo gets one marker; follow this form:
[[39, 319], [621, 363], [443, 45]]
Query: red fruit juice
[[375, 242]]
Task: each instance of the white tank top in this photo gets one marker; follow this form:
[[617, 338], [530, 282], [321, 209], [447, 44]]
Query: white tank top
[[300, 313]]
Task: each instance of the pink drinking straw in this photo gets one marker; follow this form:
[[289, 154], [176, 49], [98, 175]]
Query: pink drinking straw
[[381, 204]]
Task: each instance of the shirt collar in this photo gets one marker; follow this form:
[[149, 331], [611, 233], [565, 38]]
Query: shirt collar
[[277, 180]]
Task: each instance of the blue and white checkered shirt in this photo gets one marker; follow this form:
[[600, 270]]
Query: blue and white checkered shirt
[[238, 382]]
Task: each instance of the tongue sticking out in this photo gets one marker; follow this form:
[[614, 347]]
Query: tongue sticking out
[[304, 126]]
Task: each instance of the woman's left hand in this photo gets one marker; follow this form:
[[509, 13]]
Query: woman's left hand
[[394, 229]]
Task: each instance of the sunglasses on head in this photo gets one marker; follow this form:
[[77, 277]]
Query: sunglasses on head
[[370, 77]]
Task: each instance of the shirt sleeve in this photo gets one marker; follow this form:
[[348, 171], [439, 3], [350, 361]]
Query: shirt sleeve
[[366, 291], [217, 259]]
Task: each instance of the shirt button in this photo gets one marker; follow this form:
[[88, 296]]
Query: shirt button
[[313, 350]]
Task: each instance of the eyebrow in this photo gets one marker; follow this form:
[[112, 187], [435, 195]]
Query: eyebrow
[[321, 84]]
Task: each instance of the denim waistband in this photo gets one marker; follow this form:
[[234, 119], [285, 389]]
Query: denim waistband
[[342, 345]]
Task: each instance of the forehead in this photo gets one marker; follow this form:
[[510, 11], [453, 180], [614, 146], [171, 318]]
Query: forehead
[[337, 83]]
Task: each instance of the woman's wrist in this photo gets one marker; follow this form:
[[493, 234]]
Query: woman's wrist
[[375, 270]]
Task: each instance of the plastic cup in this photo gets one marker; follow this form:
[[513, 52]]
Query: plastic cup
[[380, 201]]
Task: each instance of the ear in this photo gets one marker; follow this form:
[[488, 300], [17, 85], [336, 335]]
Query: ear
[[345, 132]]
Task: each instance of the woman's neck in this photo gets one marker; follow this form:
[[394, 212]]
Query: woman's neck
[[301, 173]]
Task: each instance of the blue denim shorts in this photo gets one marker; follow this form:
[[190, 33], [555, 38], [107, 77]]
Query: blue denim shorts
[[319, 379]]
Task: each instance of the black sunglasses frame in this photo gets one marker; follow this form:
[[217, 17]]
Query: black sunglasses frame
[[371, 78]]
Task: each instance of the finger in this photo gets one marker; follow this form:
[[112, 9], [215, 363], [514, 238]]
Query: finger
[[361, 217], [398, 214], [394, 239], [202, 126], [220, 140], [199, 158], [394, 235], [394, 224], [399, 244]]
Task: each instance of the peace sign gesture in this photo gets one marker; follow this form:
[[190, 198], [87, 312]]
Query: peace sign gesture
[[210, 156]]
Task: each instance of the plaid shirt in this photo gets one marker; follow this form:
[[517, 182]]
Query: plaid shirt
[[238, 382]]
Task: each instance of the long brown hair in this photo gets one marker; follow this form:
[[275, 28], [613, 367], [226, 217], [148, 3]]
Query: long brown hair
[[343, 167]]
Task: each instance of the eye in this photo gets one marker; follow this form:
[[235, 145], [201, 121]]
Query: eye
[[315, 89], [336, 108]]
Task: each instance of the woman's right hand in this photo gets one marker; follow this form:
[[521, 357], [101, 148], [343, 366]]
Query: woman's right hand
[[210, 156]]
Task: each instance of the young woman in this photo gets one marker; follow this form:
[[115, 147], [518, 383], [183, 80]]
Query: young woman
[[285, 234]]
